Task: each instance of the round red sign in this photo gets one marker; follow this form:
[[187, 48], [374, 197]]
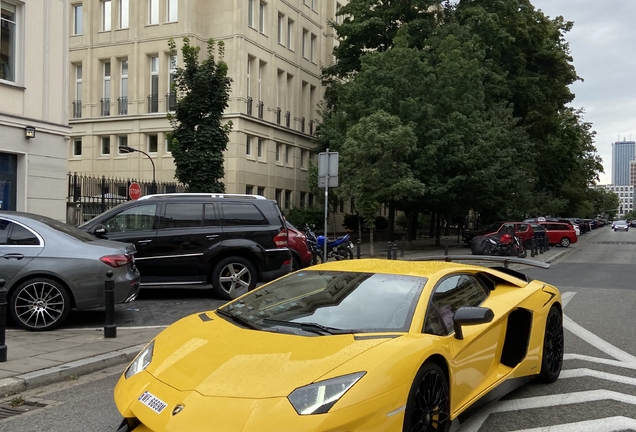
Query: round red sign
[[134, 191]]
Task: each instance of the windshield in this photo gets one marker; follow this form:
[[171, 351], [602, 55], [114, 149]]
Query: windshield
[[493, 228], [360, 302]]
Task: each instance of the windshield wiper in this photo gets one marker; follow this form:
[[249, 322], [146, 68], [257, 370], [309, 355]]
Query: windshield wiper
[[310, 327], [238, 319]]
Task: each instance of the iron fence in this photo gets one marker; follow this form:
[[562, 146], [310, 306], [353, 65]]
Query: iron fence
[[90, 196]]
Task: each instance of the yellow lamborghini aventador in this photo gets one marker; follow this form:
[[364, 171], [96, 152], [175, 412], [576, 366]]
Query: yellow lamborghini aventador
[[357, 345]]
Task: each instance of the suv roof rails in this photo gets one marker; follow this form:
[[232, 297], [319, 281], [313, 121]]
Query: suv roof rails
[[207, 195]]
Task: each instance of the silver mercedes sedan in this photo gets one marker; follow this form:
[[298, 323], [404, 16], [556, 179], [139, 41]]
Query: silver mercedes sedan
[[50, 267]]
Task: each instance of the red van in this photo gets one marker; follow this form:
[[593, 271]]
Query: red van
[[560, 233]]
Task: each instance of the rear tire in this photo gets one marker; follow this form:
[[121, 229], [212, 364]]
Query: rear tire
[[428, 404], [232, 277], [40, 304], [552, 357], [565, 242]]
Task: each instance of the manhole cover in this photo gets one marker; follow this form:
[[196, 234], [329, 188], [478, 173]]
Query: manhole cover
[[615, 242], [7, 411]]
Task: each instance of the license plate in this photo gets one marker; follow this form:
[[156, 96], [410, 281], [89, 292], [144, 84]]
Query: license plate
[[152, 402]]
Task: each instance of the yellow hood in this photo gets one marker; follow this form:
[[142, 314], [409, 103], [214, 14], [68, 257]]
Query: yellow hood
[[218, 358]]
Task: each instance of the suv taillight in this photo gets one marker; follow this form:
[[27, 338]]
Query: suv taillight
[[281, 239], [117, 260]]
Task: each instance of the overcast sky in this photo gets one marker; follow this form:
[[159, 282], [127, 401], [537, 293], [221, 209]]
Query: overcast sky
[[603, 45]]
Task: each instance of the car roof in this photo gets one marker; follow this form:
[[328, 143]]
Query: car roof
[[201, 195]]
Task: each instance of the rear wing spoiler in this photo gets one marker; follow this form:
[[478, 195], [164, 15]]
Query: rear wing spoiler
[[486, 258]]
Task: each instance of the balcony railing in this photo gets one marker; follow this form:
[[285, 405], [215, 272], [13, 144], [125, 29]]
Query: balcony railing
[[278, 111], [77, 109], [287, 119], [261, 108], [302, 124], [171, 102], [122, 105], [153, 103], [105, 106], [249, 106]]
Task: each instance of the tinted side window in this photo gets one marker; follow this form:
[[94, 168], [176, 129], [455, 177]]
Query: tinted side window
[[182, 215], [210, 218], [22, 236], [563, 227], [138, 218], [449, 295], [523, 227], [242, 214], [4, 231]]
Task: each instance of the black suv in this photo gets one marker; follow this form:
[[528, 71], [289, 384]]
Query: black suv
[[230, 242]]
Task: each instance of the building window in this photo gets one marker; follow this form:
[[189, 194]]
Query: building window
[[250, 13], [305, 42], [172, 92], [311, 200], [122, 141], [105, 145], [106, 15], [123, 89], [153, 143], [288, 153], [261, 191], [153, 99], [259, 149], [77, 146], [78, 82], [303, 198], [281, 28], [173, 10], [124, 17], [312, 48], [279, 197], [261, 16], [313, 5], [288, 200], [248, 146], [249, 189], [105, 102], [8, 37], [77, 19], [153, 11], [278, 148], [290, 34], [302, 158], [338, 17]]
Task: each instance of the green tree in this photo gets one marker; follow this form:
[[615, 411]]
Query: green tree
[[199, 137]]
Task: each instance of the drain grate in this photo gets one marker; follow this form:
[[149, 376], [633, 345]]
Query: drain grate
[[7, 411]]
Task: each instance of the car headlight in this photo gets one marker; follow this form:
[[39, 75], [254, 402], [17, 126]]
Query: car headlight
[[318, 398], [140, 362]]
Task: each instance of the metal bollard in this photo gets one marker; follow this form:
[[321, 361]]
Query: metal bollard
[[403, 247], [110, 329], [532, 253], [358, 244], [3, 321], [388, 250], [395, 248], [446, 247]]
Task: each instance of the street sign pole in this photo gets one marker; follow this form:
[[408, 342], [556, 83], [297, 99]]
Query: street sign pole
[[324, 256], [327, 173]]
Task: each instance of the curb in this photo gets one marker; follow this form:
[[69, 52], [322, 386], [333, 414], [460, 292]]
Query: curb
[[30, 380]]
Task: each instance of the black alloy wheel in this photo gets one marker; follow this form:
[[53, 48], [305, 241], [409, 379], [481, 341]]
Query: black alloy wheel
[[40, 304], [428, 405], [553, 347]]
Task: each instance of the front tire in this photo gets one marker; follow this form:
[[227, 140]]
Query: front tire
[[552, 358], [565, 242], [428, 404], [232, 277], [40, 304]]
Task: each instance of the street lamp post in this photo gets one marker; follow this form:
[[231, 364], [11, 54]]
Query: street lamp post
[[127, 149]]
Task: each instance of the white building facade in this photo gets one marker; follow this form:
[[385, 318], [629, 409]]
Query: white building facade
[[625, 196], [34, 129]]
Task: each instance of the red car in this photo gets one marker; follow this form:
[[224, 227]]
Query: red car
[[560, 233], [523, 230], [297, 243]]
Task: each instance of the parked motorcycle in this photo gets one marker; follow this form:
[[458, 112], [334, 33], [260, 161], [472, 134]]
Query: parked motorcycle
[[504, 243], [338, 249]]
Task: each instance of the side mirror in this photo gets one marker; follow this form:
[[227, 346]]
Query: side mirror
[[470, 316], [100, 230]]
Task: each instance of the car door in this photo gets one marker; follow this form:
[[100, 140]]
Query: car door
[[138, 225], [18, 246], [187, 234], [475, 357]]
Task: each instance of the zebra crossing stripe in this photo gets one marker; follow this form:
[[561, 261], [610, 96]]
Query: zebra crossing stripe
[[597, 342], [584, 372], [610, 424], [599, 360]]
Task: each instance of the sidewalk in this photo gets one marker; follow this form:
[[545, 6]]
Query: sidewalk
[[40, 358]]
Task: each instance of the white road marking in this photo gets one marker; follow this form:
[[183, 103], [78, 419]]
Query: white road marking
[[609, 424], [566, 297], [597, 342], [599, 360], [584, 372]]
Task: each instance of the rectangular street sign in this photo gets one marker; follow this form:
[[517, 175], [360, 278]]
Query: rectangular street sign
[[328, 166]]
